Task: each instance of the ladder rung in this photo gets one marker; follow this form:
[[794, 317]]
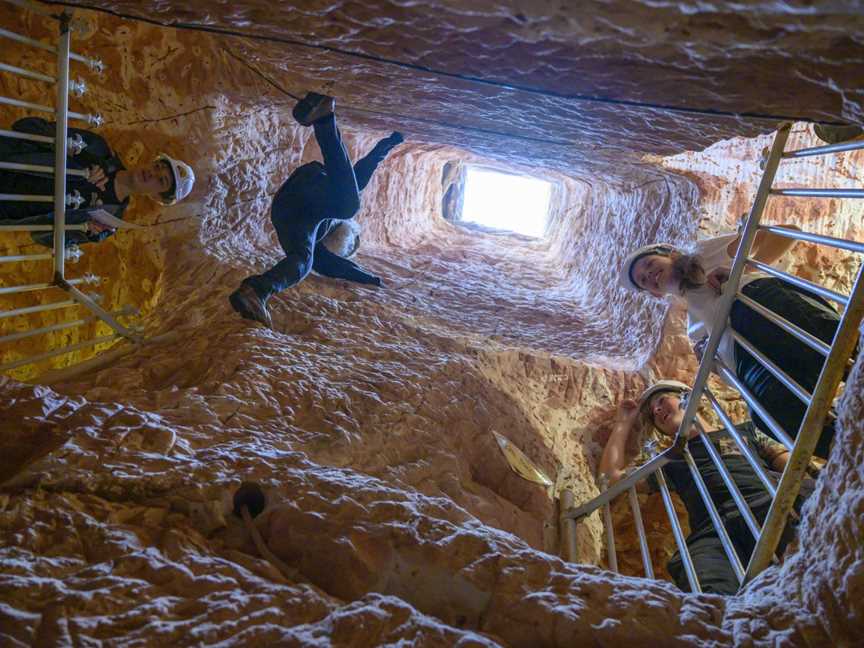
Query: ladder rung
[[843, 244], [819, 193], [825, 150]]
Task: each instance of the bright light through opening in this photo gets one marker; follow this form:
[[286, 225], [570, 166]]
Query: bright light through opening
[[506, 202]]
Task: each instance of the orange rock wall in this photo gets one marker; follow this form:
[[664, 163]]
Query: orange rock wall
[[367, 413]]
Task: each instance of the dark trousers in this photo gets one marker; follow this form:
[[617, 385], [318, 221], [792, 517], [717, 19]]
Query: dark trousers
[[713, 569], [313, 194], [800, 362]]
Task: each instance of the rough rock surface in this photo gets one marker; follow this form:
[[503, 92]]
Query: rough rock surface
[[367, 413], [553, 84]]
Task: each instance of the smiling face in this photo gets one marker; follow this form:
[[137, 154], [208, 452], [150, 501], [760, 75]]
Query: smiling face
[[656, 274], [154, 178]]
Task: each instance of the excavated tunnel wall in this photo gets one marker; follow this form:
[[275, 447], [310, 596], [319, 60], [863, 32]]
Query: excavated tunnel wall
[[367, 413]]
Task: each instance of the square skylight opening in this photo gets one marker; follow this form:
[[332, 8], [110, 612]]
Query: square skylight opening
[[506, 201]]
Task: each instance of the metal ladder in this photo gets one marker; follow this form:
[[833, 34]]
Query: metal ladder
[[60, 199], [818, 402]]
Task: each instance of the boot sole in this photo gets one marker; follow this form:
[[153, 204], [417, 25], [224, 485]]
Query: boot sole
[[242, 309], [306, 107]]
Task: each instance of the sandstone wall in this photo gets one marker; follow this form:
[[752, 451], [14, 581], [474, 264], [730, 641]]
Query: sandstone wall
[[559, 85], [367, 413]]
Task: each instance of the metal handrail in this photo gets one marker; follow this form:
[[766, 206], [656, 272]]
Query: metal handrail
[[819, 193], [724, 304], [41, 308], [686, 558], [77, 88], [731, 486], [716, 520], [94, 64], [640, 530], [611, 555], [825, 150], [26, 136], [75, 143], [99, 312], [810, 340], [788, 382], [843, 244], [818, 403], [94, 119], [568, 526], [60, 147], [81, 227], [811, 428], [748, 453], [24, 72], [22, 335], [755, 406], [624, 484], [9, 290], [809, 286], [16, 258], [73, 253], [27, 197], [62, 144], [57, 352], [13, 166]]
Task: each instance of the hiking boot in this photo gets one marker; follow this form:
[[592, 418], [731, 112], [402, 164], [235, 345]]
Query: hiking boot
[[246, 301], [313, 107]]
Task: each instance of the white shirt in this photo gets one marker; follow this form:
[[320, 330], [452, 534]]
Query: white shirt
[[702, 302]]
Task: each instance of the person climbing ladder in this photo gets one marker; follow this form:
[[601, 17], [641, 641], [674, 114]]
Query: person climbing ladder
[[314, 206]]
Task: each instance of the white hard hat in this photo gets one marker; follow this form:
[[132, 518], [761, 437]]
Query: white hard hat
[[344, 239], [662, 386], [625, 276], [184, 178]]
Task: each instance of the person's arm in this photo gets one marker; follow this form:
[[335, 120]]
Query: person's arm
[[774, 453], [614, 459], [770, 247], [332, 265], [777, 456], [780, 461], [767, 247]]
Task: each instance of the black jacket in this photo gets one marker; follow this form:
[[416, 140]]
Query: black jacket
[[97, 152], [311, 178]]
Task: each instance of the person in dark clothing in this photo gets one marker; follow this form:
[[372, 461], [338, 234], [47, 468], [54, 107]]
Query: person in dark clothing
[[662, 269], [317, 201], [803, 364], [108, 186], [661, 406]]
